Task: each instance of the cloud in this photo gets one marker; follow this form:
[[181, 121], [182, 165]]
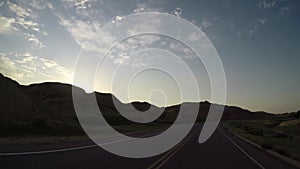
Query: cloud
[[48, 63], [23, 18], [80, 30], [6, 63], [149, 6], [182, 50], [27, 58], [87, 34], [262, 21], [194, 36], [27, 68], [53, 70], [145, 24], [78, 4], [22, 22], [85, 25], [6, 24], [206, 23], [177, 11], [266, 3], [284, 11], [27, 24], [18, 10], [117, 19], [33, 39], [142, 41], [9, 68], [256, 26], [123, 52], [86, 9], [40, 4], [143, 7]]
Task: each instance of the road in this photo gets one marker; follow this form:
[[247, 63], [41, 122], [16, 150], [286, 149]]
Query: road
[[222, 150]]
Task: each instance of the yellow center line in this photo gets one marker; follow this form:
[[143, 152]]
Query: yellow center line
[[172, 154], [159, 163]]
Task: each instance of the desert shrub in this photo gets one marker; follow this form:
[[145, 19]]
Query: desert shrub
[[40, 123], [279, 135], [266, 146], [13, 128], [239, 126], [281, 151], [255, 132], [297, 114]]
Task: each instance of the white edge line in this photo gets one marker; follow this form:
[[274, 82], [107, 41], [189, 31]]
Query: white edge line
[[67, 149], [242, 150], [62, 150]]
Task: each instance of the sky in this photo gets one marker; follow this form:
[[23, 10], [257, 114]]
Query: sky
[[256, 40]]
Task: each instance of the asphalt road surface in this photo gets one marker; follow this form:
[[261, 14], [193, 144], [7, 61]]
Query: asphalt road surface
[[222, 150]]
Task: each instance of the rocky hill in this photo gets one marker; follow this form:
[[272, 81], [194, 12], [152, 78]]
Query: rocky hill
[[48, 108]]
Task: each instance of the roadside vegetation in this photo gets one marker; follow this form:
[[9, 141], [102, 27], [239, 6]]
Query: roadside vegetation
[[280, 134], [41, 131]]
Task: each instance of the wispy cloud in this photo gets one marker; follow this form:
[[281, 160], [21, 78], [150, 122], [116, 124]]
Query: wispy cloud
[[87, 34], [18, 10], [262, 21], [40, 4], [256, 26], [22, 22], [266, 3], [284, 11], [26, 68], [181, 50], [206, 23], [6, 24], [144, 7], [10, 68], [33, 39], [86, 9], [194, 36], [177, 11]]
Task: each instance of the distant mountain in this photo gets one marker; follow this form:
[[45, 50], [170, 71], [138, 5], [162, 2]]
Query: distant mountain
[[49, 107]]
